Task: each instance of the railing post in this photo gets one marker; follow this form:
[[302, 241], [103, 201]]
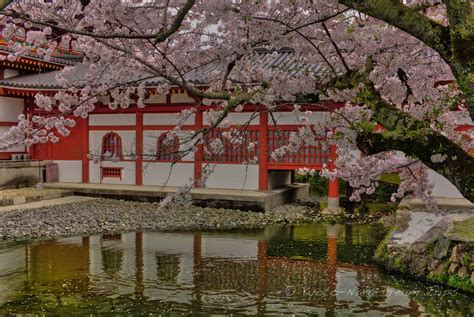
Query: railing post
[[333, 185], [263, 151]]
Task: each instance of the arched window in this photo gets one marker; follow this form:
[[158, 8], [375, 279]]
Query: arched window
[[112, 145], [167, 148]]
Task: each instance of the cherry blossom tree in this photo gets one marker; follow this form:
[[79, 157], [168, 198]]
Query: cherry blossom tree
[[404, 72]]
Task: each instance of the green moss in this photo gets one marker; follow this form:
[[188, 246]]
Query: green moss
[[323, 205], [440, 279], [463, 229], [461, 283], [431, 246], [381, 253], [466, 259], [391, 178]]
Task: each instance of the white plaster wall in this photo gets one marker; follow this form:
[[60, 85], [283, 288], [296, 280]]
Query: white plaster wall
[[164, 119], [159, 174], [10, 108], [7, 73], [442, 187], [234, 176], [128, 173], [278, 178], [291, 118], [70, 171], [12, 149], [156, 99], [112, 119], [128, 142], [150, 142], [236, 118], [181, 98]]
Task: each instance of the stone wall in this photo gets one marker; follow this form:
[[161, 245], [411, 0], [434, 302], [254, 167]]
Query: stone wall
[[14, 174], [438, 254]]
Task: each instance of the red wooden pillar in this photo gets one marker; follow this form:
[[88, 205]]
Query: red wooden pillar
[[139, 149], [333, 186], [263, 151], [85, 149], [198, 155]]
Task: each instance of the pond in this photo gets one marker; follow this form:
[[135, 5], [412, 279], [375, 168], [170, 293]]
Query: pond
[[303, 270]]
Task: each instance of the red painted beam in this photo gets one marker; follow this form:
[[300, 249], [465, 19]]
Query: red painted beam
[[85, 150], [139, 149], [8, 123], [263, 153]]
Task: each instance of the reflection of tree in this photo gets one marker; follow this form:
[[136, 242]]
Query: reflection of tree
[[167, 267]]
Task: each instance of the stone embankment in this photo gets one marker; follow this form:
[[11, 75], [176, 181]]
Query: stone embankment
[[434, 247], [109, 215]]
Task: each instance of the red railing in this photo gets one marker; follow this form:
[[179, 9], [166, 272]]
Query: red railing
[[311, 156], [234, 153]]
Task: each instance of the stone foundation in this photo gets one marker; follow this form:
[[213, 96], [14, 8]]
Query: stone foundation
[[15, 174]]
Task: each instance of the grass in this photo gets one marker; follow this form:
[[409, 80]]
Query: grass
[[464, 229], [391, 179]]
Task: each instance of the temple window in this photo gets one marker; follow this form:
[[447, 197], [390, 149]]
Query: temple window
[[167, 148], [112, 145]]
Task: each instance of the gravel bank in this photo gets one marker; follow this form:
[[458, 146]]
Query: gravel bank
[[107, 215]]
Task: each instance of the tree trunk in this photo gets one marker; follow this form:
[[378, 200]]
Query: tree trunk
[[416, 139]]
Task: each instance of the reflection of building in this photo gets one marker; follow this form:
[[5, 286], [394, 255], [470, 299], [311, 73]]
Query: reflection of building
[[202, 272]]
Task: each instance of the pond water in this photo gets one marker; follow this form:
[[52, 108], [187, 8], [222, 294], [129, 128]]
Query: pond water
[[303, 270]]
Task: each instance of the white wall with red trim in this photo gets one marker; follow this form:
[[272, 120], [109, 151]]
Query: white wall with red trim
[[10, 109]]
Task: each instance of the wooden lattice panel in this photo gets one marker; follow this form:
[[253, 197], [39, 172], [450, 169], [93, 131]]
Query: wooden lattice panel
[[112, 172]]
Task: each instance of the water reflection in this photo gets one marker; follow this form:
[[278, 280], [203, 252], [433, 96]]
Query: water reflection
[[310, 269]]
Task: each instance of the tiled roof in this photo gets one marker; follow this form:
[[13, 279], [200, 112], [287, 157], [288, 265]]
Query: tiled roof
[[62, 60], [283, 59]]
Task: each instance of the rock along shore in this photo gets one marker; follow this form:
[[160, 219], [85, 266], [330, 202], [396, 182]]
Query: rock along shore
[[432, 247], [108, 215]]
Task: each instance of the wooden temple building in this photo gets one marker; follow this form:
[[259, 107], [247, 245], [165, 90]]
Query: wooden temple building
[[136, 136]]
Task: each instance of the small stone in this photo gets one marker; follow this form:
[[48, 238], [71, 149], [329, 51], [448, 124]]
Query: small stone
[[419, 263], [441, 248], [432, 265], [452, 268], [456, 254], [419, 247], [462, 273]]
